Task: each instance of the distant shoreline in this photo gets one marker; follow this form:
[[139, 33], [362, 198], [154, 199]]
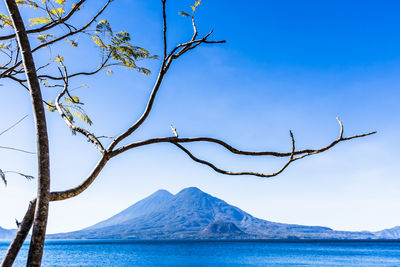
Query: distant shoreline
[[132, 241]]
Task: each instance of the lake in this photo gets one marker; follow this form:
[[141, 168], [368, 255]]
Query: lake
[[216, 253]]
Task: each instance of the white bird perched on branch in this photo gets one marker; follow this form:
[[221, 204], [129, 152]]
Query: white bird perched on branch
[[174, 131]]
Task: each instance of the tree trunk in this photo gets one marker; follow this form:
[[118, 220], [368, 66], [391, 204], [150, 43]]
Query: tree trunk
[[43, 194], [26, 223], [19, 238]]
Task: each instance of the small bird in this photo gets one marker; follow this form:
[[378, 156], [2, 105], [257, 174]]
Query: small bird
[[17, 222], [174, 131]]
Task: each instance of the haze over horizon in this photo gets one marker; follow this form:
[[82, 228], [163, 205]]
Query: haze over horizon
[[285, 66]]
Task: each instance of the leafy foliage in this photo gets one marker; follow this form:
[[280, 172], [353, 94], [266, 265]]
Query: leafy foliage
[[27, 3], [74, 110], [120, 47], [104, 27], [61, 2], [72, 42], [116, 48], [72, 99], [57, 11], [40, 20], [43, 38], [80, 113], [193, 7], [59, 59], [5, 45], [50, 106], [72, 107], [5, 21], [196, 4]]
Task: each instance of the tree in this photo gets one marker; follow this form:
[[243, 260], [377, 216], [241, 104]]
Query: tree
[[116, 50]]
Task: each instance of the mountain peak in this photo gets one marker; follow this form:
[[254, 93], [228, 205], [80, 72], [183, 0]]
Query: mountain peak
[[191, 191], [161, 193], [193, 214], [140, 208]]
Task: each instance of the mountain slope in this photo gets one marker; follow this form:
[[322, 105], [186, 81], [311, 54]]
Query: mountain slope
[[193, 214], [6, 234], [140, 208], [392, 233]]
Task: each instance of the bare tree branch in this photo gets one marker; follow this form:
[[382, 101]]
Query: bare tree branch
[[340, 139], [51, 24], [302, 152], [184, 47], [86, 133], [111, 151], [74, 32], [20, 236], [4, 73], [163, 70], [240, 173], [102, 66]]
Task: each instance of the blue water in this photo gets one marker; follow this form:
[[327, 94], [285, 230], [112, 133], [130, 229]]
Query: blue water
[[216, 253]]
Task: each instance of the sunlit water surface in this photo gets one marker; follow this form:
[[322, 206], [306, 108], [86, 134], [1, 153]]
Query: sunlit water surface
[[215, 253]]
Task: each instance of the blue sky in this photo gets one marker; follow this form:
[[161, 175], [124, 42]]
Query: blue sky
[[286, 66]]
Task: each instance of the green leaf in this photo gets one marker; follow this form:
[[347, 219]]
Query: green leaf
[[5, 21], [27, 3], [61, 2], [196, 4], [99, 42], [74, 99], [72, 42], [120, 48], [103, 26], [5, 45], [144, 71], [80, 113], [57, 11], [43, 38], [59, 59], [67, 113], [40, 20], [50, 106]]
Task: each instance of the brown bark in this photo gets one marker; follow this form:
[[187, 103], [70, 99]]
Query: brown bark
[[112, 151], [27, 221], [19, 238], [43, 194]]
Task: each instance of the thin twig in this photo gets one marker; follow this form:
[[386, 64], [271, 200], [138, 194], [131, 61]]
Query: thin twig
[[83, 131], [17, 149], [51, 24], [15, 124], [303, 152], [264, 175]]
